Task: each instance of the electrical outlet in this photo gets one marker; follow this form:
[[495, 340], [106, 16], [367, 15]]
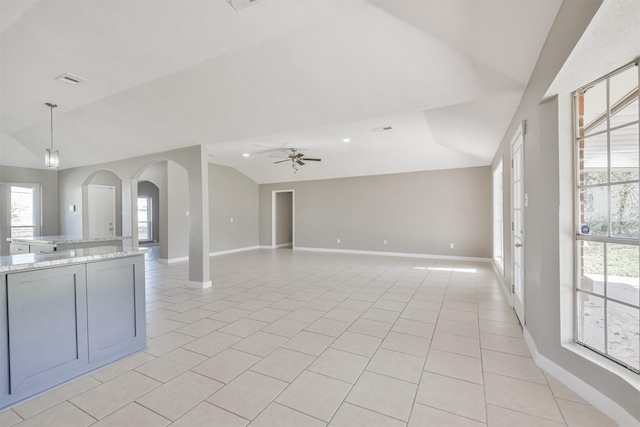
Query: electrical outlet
[[384, 242], [451, 245], [338, 241], [231, 220], [187, 213]]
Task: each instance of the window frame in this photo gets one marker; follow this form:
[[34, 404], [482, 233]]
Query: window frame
[[609, 238], [498, 259], [148, 220], [37, 207]]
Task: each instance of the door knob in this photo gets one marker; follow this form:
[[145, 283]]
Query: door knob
[[518, 245]]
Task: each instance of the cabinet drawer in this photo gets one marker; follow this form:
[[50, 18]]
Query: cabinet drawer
[[18, 248], [40, 248]]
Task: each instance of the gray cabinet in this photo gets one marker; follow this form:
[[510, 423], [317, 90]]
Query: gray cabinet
[[116, 307], [61, 322], [4, 339], [47, 311]]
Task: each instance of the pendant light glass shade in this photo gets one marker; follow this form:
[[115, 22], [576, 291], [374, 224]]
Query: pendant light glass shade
[[51, 156]]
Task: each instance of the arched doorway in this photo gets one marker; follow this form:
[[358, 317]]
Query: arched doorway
[[172, 232]]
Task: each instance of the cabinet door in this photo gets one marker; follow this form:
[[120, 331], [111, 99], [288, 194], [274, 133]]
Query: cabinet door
[[4, 340], [116, 308], [47, 316]]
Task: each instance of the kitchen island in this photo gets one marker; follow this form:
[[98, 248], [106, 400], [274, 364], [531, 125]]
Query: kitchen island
[[67, 313], [20, 245]]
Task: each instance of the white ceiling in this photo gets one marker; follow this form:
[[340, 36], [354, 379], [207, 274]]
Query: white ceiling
[[447, 76]]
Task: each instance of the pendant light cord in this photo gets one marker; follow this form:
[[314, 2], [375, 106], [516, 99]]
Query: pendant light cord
[[51, 107], [51, 127]]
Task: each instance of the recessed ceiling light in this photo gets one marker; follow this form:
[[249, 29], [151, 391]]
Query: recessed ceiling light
[[382, 129], [246, 155], [70, 79], [346, 140]]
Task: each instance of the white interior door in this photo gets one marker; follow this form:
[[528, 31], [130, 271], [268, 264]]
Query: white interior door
[[102, 211], [517, 225]]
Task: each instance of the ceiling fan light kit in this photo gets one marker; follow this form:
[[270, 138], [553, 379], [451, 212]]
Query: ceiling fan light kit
[[297, 159]]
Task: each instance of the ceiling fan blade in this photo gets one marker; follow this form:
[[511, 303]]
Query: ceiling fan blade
[[298, 155], [309, 159], [279, 157], [300, 162], [280, 161]]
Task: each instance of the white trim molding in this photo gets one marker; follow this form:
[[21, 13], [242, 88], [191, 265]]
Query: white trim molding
[[579, 387], [198, 285], [284, 245], [399, 254], [173, 260], [505, 287], [233, 251]]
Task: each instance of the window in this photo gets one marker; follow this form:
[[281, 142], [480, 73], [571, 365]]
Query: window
[[498, 242], [608, 217], [23, 203], [144, 219]]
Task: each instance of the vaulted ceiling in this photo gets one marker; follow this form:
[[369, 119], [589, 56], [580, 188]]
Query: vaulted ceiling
[[446, 76]]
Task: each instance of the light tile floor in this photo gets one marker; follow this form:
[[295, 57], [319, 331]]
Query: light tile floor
[[313, 339]]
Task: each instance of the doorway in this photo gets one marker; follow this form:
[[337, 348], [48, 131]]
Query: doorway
[[283, 219], [148, 206], [102, 211], [518, 203]]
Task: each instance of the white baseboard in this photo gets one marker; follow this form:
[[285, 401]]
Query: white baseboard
[[283, 245], [173, 260], [504, 286], [233, 251], [579, 387], [198, 285], [398, 254]]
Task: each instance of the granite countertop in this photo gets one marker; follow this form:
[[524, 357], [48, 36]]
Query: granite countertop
[[63, 239], [33, 261]]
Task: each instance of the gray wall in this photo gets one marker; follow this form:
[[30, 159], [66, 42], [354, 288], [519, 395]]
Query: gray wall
[[151, 190], [177, 207], [549, 232], [419, 212], [284, 218], [48, 181], [232, 195]]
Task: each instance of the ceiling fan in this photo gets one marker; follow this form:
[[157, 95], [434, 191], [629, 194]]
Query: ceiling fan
[[296, 159]]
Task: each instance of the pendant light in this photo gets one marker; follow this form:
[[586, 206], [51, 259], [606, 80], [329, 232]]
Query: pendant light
[[51, 156]]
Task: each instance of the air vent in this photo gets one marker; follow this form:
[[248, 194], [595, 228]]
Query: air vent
[[382, 129], [241, 4], [70, 79]]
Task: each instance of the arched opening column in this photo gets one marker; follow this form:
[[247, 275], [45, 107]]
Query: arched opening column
[[199, 274]]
